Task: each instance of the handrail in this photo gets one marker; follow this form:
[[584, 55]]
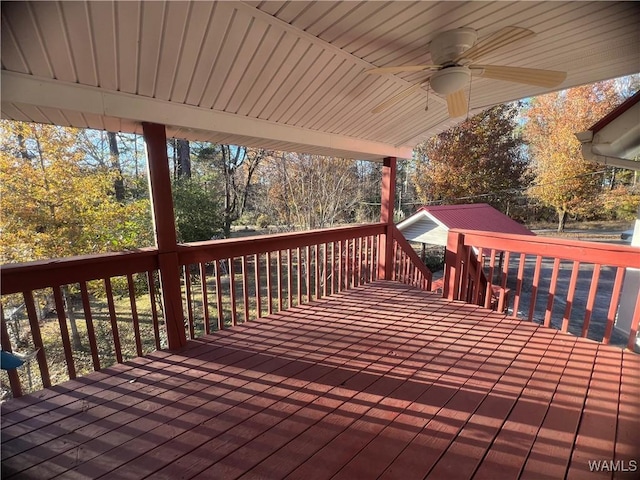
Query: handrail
[[20, 277], [232, 247], [611, 254]]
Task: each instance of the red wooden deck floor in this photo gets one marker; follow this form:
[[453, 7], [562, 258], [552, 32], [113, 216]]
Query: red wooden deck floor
[[383, 381]]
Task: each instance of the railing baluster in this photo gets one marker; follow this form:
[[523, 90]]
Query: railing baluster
[[354, 263], [307, 257], [332, 264], [219, 295], [374, 257], [503, 300], [317, 269], [113, 319], [205, 297], [258, 286], [635, 320], [340, 252], [613, 306], [519, 280], [360, 263], [64, 331], [36, 334], [591, 299], [366, 275], [570, 296], [151, 283], [187, 287], [232, 291], [5, 341], [465, 291], [289, 279], [299, 261], [489, 290], [269, 282], [552, 292], [534, 287], [397, 265], [477, 288], [134, 314], [280, 287], [245, 288], [347, 264], [325, 274]]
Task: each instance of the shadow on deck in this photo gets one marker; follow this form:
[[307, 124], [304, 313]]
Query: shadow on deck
[[382, 381]]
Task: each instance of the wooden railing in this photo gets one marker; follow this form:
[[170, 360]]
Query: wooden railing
[[233, 281], [93, 311], [582, 281], [106, 307]]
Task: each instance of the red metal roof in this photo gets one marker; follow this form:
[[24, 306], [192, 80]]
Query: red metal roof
[[475, 216]]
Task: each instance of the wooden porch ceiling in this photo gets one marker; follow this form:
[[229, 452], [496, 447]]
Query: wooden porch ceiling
[[382, 381], [283, 75]]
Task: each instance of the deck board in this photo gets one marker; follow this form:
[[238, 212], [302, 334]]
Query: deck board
[[381, 381]]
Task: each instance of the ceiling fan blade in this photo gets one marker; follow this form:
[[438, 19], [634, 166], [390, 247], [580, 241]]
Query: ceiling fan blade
[[402, 69], [528, 76], [497, 40], [457, 104], [396, 98]]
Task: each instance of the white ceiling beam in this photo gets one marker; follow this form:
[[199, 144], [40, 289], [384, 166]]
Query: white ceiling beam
[[43, 92]]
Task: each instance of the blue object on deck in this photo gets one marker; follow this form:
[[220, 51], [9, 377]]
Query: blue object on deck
[[9, 361]]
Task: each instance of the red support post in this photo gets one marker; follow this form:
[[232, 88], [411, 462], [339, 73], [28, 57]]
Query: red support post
[[165, 232], [453, 266], [387, 200]]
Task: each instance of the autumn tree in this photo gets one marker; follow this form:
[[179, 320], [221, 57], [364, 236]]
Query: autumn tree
[[563, 179], [53, 206], [480, 159], [312, 191]]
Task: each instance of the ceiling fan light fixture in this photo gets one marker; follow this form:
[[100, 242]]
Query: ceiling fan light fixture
[[450, 80]]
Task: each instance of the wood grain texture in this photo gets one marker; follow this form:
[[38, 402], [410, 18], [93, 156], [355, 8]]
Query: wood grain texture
[[382, 380]]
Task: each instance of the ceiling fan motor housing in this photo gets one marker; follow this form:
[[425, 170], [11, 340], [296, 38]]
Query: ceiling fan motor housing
[[447, 46], [450, 80]]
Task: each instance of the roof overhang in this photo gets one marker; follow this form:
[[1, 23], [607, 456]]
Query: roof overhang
[[186, 121], [615, 139], [285, 75]]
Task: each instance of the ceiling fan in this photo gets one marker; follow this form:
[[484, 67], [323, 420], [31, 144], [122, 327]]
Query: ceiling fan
[[454, 53]]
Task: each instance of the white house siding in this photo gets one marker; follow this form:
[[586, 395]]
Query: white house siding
[[425, 231]]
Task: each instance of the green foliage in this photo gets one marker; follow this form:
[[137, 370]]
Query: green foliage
[[197, 211]]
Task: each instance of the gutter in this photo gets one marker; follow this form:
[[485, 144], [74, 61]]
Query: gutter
[[615, 139], [590, 152]]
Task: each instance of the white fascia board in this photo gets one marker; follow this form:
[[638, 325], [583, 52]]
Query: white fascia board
[[44, 92]]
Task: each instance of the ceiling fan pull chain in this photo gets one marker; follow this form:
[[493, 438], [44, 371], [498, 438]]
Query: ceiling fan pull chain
[[426, 107]]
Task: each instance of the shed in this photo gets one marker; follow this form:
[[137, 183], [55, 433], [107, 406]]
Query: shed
[[431, 224]]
